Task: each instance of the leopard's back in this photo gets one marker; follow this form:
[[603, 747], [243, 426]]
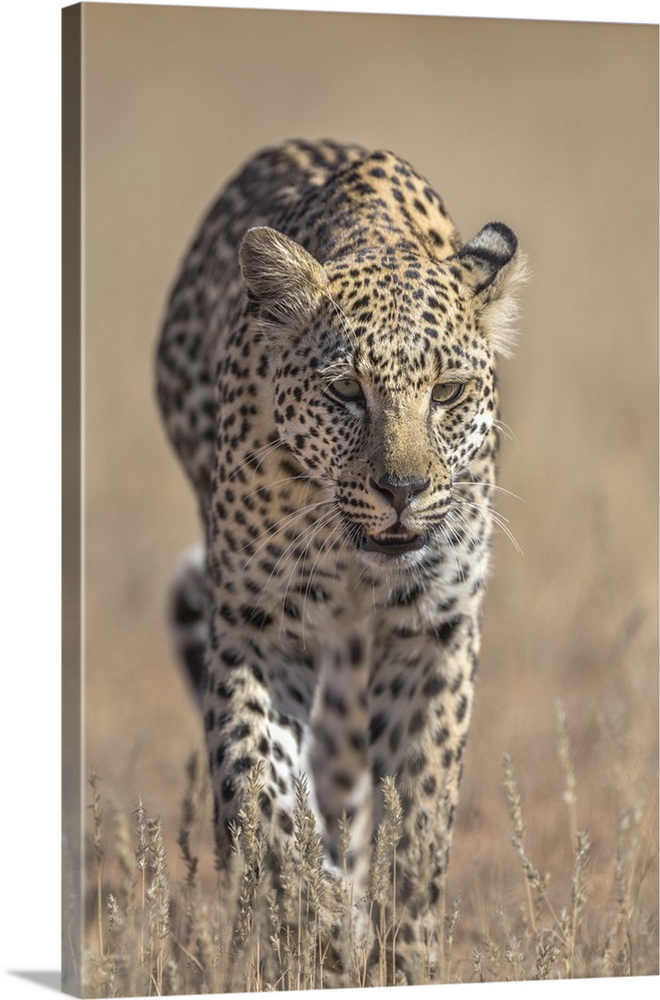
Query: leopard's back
[[208, 289]]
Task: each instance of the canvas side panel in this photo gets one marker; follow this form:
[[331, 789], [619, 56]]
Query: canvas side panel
[[72, 854]]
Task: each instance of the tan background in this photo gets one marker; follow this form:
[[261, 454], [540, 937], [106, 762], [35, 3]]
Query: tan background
[[551, 128]]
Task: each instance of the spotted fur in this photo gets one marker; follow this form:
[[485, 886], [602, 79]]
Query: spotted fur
[[326, 374]]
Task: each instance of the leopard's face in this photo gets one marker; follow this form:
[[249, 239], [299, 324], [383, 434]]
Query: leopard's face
[[385, 393]]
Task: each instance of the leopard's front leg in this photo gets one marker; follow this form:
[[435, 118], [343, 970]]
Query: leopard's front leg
[[250, 722], [420, 704], [297, 715], [243, 734], [338, 745]]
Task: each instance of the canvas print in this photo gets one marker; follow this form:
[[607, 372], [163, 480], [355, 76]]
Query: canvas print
[[363, 312]]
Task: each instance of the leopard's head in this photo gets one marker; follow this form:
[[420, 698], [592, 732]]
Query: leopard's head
[[383, 370]]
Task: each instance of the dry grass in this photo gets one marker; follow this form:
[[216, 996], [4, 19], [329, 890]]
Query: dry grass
[[151, 932]]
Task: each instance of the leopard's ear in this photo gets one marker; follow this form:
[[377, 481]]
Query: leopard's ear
[[494, 267], [283, 280]]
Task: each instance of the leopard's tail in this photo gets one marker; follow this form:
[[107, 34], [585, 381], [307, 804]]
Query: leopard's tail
[[187, 616]]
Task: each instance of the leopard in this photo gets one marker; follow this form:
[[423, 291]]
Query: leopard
[[326, 375]]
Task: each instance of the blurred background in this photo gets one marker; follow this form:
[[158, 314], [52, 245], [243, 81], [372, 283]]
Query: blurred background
[[549, 127]]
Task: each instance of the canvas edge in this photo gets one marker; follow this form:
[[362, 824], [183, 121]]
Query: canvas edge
[[72, 836]]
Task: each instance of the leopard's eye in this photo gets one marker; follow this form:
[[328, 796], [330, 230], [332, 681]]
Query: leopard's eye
[[346, 389], [447, 392]]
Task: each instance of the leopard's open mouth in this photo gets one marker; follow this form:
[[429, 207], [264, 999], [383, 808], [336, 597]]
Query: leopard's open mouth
[[393, 541]]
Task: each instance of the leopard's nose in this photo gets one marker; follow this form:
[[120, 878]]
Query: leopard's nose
[[399, 491]]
